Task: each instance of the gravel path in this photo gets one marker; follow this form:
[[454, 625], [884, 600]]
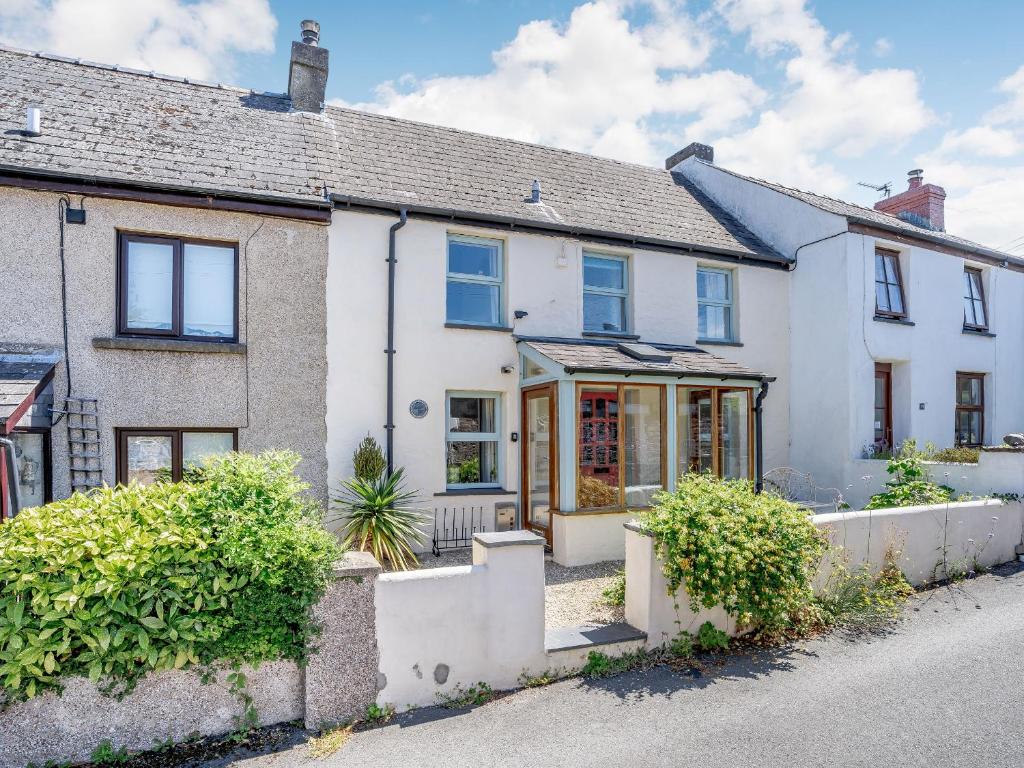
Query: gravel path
[[572, 596]]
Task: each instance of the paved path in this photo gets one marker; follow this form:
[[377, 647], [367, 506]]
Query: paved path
[[946, 689]]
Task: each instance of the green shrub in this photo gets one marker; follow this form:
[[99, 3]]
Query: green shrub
[[124, 581], [960, 454], [710, 638], [368, 461], [909, 485], [615, 593], [859, 600], [754, 554]]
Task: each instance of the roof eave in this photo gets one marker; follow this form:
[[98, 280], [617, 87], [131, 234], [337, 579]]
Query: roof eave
[[676, 373], [983, 253]]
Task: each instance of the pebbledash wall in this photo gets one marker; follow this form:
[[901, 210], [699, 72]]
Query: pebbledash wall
[[835, 340], [335, 686], [543, 276], [273, 391]]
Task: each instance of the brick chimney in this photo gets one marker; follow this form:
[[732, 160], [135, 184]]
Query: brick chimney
[[696, 149], [922, 205], [307, 73]]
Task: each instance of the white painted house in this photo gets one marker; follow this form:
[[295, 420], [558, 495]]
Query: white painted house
[[896, 329]]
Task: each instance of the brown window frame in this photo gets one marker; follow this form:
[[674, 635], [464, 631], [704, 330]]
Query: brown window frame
[[884, 370], [177, 287], [890, 313], [175, 433], [980, 297], [961, 408]]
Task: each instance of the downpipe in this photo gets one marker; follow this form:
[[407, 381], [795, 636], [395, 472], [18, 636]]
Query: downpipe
[[389, 425], [759, 444]]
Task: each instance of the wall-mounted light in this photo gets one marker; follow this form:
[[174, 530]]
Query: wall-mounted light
[[507, 368], [519, 314]]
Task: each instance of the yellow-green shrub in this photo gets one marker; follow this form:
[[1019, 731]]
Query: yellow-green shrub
[[124, 581]]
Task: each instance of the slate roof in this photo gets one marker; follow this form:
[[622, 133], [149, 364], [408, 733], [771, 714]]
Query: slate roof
[[863, 215], [21, 371], [605, 357], [118, 125]]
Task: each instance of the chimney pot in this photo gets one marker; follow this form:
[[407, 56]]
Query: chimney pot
[[535, 191], [33, 121], [700, 151], [307, 72], [915, 178], [310, 32]]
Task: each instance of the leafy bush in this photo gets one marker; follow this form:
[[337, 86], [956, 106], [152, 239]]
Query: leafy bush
[[615, 593], [368, 461], [960, 454], [710, 638], [861, 601], [909, 485], [379, 518], [124, 581], [754, 554]]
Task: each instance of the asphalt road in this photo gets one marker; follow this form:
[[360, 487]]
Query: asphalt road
[[946, 688]]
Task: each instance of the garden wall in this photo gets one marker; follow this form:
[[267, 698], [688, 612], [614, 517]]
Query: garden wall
[[444, 627], [337, 685], [933, 542]]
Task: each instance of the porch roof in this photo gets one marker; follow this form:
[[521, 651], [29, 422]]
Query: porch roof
[[24, 373], [611, 356]]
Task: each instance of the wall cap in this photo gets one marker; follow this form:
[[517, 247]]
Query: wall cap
[[635, 527], [507, 539], [356, 564]]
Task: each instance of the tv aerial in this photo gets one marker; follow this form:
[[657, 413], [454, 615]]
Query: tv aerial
[[883, 189]]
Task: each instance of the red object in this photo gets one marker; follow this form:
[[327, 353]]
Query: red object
[[925, 204], [599, 435]]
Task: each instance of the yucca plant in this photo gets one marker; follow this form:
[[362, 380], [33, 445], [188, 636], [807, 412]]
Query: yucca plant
[[380, 519]]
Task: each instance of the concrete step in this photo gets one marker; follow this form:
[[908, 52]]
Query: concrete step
[[568, 647]]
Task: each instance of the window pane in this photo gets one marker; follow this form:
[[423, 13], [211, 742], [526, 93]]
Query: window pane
[[604, 313], [539, 448], [474, 258], [712, 285], [642, 444], [209, 291], [882, 297], [969, 390], [531, 369], [895, 298], [473, 303], [196, 446], [879, 268], [30, 460], [979, 313], [733, 434], [890, 269], [714, 321], [693, 430], [474, 462], [969, 316], [471, 414], [149, 287], [604, 273], [597, 482], [149, 458]]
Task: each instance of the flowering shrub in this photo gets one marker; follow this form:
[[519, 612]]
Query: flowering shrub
[[909, 485], [124, 581], [754, 554]]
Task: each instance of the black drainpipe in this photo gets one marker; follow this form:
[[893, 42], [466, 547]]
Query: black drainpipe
[[759, 444], [389, 426]]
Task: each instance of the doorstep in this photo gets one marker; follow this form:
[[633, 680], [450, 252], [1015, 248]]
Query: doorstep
[[568, 647]]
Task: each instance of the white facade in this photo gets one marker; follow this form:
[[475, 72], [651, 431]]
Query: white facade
[[543, 277], [835, 339]]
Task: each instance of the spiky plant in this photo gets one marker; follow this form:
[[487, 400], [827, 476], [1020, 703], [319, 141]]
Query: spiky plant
[[380, 519]]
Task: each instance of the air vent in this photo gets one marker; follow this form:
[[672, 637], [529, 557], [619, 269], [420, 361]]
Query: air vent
[[644, 352]]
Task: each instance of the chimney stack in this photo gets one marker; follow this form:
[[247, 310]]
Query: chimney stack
[[923, 205], [700, 151], [307, 74]]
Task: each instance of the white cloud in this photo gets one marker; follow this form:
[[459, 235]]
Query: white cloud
[[596, 84], [191, 39], [882, 47]]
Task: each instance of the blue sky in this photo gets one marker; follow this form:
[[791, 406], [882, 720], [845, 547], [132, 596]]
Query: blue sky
[[819, 96]]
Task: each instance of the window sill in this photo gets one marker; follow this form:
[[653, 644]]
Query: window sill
[[977, 332], [477, 492], [611, 335], [894, 320], [720, 342], [168, 345], [472, 327]]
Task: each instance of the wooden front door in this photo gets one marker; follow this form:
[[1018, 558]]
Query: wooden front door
[[540, 458]]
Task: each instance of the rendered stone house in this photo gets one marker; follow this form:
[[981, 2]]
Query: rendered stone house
[[163, 253]]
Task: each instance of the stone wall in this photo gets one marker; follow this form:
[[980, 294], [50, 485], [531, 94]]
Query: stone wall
[[338, 683]]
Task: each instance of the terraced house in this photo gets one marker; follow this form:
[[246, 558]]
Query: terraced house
[[542, 338]]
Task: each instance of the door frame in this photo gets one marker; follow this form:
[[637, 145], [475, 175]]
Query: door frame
[[549, 389]]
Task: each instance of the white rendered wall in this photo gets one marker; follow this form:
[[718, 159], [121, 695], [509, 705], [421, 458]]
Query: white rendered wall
[[544, 278]]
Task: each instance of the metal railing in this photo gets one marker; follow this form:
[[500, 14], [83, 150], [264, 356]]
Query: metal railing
[[454, 527]]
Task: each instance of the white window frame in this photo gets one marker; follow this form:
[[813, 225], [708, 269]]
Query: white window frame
[[729, 303], [622, 293], [462, 277], [474, 437]]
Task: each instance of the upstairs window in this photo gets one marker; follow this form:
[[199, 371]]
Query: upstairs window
[[889, 300], [605, 293], [475, 280], [472, 440], [714, 304], [970, 409], [975, 312], [177, 288]]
